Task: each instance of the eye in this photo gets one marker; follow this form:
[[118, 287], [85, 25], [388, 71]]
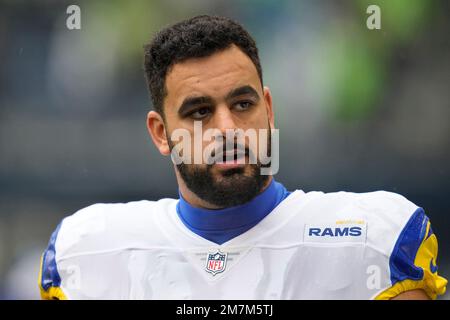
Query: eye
[[243, 105], [200, 113]]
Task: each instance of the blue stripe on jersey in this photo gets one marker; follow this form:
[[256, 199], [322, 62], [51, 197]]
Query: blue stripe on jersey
[[50, 275], [222, 225], [402, 258]]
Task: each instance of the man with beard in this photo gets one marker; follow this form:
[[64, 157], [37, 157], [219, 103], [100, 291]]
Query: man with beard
[[234, 232]]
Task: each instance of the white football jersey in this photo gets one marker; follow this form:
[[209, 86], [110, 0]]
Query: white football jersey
[[311, 246]]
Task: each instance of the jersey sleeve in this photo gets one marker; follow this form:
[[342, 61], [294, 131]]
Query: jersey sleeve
[[59, 271], [413, 261]]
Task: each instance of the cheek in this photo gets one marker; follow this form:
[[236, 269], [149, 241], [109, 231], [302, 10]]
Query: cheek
[[259, 118], [259, 122]]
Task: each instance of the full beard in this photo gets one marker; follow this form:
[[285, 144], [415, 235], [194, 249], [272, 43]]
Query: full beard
[[227, 188], [230, 188]]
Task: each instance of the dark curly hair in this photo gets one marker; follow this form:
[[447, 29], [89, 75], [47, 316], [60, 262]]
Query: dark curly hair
[[200, 36]]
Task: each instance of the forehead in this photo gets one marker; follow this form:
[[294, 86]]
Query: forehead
[[214, 76]]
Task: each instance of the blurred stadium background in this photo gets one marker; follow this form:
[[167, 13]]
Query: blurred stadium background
[[358, 110]]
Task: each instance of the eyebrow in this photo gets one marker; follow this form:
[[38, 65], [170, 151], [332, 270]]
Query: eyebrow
[[244, 90], [191, 102]]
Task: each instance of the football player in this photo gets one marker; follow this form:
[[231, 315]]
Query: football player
[[235, 233]]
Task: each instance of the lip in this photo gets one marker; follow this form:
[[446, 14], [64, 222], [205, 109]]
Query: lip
[[233, 163], [229, 165]]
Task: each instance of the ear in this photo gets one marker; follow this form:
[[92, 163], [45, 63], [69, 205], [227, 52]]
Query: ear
[[268, 100], [157, 131]]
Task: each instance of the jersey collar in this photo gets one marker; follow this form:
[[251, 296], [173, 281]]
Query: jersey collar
[[222, 225]]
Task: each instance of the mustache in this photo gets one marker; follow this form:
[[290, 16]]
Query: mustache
[[231, 150]]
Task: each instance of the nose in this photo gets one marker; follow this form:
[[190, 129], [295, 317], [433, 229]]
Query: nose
[[223, 119]]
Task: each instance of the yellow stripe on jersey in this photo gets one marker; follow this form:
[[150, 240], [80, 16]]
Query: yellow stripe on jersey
[[431, 283]]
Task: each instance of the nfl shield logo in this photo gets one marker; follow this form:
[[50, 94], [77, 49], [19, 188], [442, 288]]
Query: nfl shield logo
[[216, 262]]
